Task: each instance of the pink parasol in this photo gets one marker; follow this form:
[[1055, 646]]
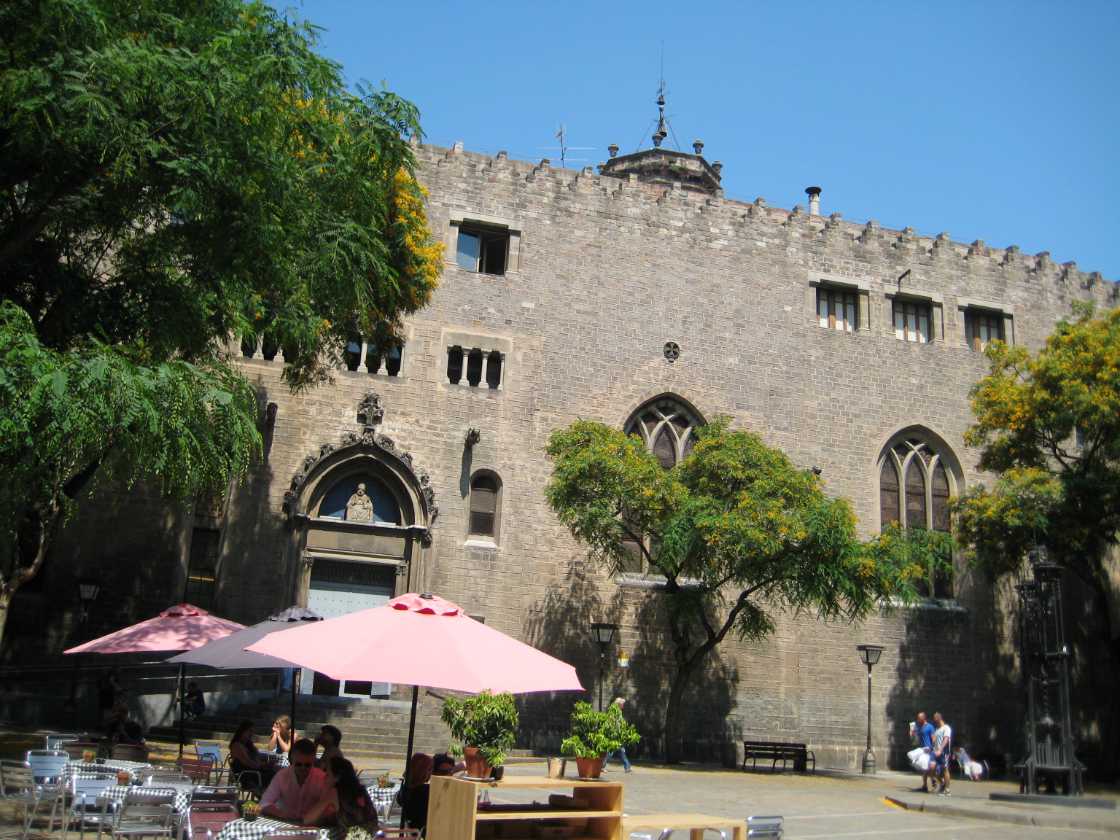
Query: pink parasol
[[182, 627], [420, 640]]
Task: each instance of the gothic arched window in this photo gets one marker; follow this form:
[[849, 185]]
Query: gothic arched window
[[914, 492], [667, 427]]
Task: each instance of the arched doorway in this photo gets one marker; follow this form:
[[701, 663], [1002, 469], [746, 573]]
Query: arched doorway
[[360, 516]]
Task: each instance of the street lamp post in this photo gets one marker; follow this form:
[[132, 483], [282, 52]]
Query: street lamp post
[[604, 635], [869, 655], [88, 590]]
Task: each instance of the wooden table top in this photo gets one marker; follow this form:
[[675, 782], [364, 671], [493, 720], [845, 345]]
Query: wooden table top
[[632, 822]]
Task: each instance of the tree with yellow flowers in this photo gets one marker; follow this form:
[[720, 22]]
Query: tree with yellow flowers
[[174, 174], [1049, 427]]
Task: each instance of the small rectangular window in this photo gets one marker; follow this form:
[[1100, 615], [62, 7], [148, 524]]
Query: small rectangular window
[[838, 309], [482, 250], [982, 327], [912, 320]]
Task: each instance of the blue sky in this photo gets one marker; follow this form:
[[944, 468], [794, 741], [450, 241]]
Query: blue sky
[[990, 120]]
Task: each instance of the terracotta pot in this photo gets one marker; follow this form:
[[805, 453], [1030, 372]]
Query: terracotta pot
[[124, 777], [477, 768], [589, 768]]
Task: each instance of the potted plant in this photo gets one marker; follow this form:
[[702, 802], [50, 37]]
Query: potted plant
[[594, 736], [250, 811], [485, 725]]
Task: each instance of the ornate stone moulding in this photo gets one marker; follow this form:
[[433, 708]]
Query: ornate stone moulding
[[366, 441]]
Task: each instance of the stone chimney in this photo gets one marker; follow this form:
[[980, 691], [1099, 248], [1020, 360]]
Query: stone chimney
[[814, 194]]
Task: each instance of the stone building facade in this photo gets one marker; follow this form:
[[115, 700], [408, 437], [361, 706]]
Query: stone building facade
[[642, 297]]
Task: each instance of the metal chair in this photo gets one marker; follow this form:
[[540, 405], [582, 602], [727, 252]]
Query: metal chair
[[396, 833], [768, 828], [143, 820], [47, 766], [204, 820], [151, 796], [211, 751], [198, 769], [21, 789], [84, 789]]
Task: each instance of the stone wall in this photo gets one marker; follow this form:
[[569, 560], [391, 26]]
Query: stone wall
[[605, 271]]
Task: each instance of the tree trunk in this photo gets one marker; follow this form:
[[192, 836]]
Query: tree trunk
[[5, 602], [671, 729]]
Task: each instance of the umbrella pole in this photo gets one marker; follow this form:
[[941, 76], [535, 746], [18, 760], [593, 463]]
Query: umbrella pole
[[411, 734], [296, 674], [182, 705]]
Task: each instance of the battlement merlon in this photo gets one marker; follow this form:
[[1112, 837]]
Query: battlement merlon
[[615, 182]]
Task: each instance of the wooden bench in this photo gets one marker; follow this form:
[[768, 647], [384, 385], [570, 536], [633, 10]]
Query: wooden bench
[[797, 754]]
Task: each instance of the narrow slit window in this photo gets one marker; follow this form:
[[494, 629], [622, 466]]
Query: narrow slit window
[[494, 369], [485, 491], [454, 365]]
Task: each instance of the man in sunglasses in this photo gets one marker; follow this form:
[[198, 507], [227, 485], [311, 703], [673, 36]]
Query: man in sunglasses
[[297, 787]]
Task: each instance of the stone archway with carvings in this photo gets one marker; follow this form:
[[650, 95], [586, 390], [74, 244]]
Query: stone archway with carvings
[[394, 531]]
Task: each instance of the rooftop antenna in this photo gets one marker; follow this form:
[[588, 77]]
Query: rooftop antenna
[[660, 133], [562, 136]]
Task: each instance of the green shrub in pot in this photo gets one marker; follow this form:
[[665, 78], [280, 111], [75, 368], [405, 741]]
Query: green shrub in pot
[[595, 734], [487, 721]]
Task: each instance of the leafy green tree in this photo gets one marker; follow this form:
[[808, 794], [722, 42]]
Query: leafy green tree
[[1048, 424], [736, 531], [173, 174]]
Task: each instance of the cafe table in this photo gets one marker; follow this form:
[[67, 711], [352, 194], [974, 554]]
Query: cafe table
[[115, 794], [695, 824], [244, 829]]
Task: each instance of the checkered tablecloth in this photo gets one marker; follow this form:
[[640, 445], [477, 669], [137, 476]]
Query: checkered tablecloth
[[261, 827], [383, 798], [107, 765], [117, 794]]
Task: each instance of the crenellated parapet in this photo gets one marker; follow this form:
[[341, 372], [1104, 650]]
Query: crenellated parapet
[[619, 194]]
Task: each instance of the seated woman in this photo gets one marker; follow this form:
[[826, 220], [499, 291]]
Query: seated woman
[[345, 803], [283, 736], [248, 766], [414, 795]]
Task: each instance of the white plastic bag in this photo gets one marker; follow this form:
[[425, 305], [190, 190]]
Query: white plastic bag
[[919, 759]]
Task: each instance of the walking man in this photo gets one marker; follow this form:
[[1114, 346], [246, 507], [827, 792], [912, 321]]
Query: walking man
[[619, 703], [942, 746], [923, 730]]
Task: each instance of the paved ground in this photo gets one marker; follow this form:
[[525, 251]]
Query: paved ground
[[829, 805], [818, 805]]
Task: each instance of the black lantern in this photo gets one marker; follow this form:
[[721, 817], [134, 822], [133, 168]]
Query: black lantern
[[869, 656], [603, 634], [88, 590]]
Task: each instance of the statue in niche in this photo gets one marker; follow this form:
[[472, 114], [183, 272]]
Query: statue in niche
[[359, 508]]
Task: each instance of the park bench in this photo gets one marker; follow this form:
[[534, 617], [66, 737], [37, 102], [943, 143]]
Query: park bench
[[796, 754]]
